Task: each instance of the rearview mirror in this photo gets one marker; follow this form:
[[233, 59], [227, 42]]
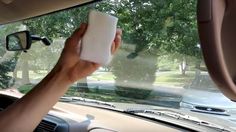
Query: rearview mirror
[[21, 41], [18, 41]]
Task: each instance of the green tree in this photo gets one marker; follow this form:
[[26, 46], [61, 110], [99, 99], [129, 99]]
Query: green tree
[[154, 27], [8, 60]]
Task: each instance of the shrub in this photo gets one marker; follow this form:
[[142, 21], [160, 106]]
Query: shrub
[[135, 93], [25, 88], [134, 77]]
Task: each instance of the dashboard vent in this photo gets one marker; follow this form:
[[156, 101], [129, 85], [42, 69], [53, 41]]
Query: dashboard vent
[[46, 126], [209, 109]]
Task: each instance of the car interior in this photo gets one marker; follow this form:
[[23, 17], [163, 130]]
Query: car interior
[[147, 105]]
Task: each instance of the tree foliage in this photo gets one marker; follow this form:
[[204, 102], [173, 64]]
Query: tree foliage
[[154, 27], [161, 24], [7, 60]]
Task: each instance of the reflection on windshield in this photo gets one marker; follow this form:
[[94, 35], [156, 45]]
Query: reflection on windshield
[[203, 82], [159, 63]]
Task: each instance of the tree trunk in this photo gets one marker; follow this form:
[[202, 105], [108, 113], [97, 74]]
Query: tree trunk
[[198, 68], [183, 66], [25, 72], [82, 85], [15, 74]]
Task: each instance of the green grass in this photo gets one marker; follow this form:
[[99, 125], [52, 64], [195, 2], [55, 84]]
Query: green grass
[[107, 76], [170, 78], [174, 79], [32, 74]]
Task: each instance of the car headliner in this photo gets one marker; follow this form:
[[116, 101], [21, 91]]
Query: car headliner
[[15, 10]]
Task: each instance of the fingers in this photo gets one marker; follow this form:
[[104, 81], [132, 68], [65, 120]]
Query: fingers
[[79, 32], [113, 48], [117, 42], [118, 31], [74, 39]]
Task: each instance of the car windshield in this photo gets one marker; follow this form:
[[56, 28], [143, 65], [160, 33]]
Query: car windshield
[[203, 82], [159, 63]]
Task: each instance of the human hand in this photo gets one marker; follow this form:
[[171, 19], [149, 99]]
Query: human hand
[[70, 62]]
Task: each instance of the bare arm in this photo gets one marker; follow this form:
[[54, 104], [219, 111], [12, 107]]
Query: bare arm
[[27, 112]]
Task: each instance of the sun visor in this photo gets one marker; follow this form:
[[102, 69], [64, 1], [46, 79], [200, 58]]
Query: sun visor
[[217, 32], [14, 10]]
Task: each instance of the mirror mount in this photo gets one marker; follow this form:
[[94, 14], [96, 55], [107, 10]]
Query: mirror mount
[[43, 39]]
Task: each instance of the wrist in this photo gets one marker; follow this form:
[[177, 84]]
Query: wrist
[[61, 74]]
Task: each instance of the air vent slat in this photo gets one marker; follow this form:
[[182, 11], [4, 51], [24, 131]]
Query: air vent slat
[[46, 126]]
